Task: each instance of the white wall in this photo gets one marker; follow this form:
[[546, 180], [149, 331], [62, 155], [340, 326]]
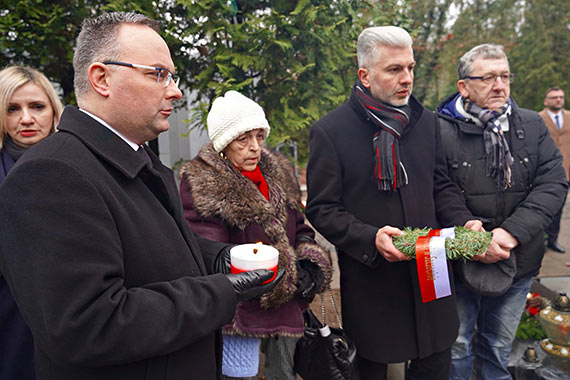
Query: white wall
[[174, 145]]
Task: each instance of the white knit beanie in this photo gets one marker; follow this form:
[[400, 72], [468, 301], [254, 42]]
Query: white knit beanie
[[233, 115]]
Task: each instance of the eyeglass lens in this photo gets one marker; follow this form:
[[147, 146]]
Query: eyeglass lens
[[491, 78], [164, 78]]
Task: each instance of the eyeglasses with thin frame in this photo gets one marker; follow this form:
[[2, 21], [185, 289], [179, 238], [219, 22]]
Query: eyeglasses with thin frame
[[491, 78], [163, 76]]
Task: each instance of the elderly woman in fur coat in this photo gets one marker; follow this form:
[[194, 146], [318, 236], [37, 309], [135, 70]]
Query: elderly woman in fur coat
[[237, 192]]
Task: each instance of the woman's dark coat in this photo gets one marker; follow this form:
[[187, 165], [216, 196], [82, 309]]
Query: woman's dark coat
[[16, 341], [381, 303], [101, 262], [6, 163], [526, 208], [221, 204]]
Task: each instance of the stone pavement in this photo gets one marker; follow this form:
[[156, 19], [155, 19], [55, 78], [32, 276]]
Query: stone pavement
[[555, 270]]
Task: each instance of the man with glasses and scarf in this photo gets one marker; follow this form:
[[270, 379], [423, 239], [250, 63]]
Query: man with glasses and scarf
[[94, 244], [510, 172], [376, 167]]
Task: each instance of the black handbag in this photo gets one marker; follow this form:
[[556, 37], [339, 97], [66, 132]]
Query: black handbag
[[324, 352]]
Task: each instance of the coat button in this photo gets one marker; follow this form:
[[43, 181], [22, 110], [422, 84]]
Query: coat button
[[365, 257], [465, 163], [525, 159]]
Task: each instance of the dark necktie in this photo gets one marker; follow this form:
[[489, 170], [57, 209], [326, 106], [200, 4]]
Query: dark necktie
[[144, 155], [557, 121]]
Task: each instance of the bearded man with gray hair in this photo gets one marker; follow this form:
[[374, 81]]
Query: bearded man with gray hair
[[376, 167], [510, 172]]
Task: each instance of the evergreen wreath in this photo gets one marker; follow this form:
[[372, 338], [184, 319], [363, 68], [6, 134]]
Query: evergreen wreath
[[465, 245]]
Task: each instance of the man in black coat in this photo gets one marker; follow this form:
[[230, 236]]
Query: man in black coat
[[510, 172], [94, 245], [375, 167]]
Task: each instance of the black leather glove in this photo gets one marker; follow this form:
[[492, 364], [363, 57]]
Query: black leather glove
[[247, 285], [306, 286], [222, 263]]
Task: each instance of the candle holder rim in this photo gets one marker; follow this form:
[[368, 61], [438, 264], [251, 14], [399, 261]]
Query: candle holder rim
[[530, 355]]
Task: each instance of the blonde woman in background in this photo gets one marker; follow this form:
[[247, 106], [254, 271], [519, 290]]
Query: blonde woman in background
[[29, 112]]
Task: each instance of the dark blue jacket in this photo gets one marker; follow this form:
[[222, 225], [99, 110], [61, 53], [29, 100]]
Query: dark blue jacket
[[16, 342], [6, 163]]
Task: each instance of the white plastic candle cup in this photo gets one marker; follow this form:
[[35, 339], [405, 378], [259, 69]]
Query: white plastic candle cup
[[247, 257]]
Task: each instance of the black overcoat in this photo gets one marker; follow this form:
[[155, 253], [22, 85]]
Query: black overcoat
[[381, 303], [101, 262]]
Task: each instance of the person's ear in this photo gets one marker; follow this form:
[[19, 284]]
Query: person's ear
[[364, 76], [99, 78], [462, 87]]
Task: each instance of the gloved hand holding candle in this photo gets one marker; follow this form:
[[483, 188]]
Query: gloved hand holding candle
[[247, 257]]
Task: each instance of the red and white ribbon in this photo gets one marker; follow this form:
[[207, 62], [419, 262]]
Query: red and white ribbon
[[444, 232], [432, 266]]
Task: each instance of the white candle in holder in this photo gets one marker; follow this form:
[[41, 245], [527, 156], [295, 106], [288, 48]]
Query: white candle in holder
[[247, 257]]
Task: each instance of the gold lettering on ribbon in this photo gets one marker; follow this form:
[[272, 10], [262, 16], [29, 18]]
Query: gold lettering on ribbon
[[429, 268], [435, 274]]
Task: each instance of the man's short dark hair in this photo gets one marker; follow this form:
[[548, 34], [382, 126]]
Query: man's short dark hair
[[550, 90], [97, 42]]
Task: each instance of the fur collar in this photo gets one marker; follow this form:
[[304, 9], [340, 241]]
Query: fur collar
[[219, 190]]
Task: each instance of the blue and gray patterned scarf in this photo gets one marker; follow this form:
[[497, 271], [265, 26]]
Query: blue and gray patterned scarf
[[498, 155]]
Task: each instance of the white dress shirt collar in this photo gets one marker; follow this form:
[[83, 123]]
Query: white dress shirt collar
[[560, 116], [131, 144]]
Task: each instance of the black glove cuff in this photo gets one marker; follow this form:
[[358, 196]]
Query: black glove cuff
[[309, 280], [222, 263], [304, 239]]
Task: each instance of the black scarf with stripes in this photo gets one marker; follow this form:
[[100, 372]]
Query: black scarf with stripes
[[389, 172]]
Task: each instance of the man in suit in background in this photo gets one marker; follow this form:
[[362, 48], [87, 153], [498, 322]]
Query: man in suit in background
[[557, 120]]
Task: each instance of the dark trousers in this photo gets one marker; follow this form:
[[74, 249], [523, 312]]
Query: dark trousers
[[554, 229], [434, 367]]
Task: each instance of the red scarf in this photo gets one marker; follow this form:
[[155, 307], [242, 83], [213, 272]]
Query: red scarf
[[257, 178]]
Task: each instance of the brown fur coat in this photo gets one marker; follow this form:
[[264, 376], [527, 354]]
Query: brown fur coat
[[229, 207]]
